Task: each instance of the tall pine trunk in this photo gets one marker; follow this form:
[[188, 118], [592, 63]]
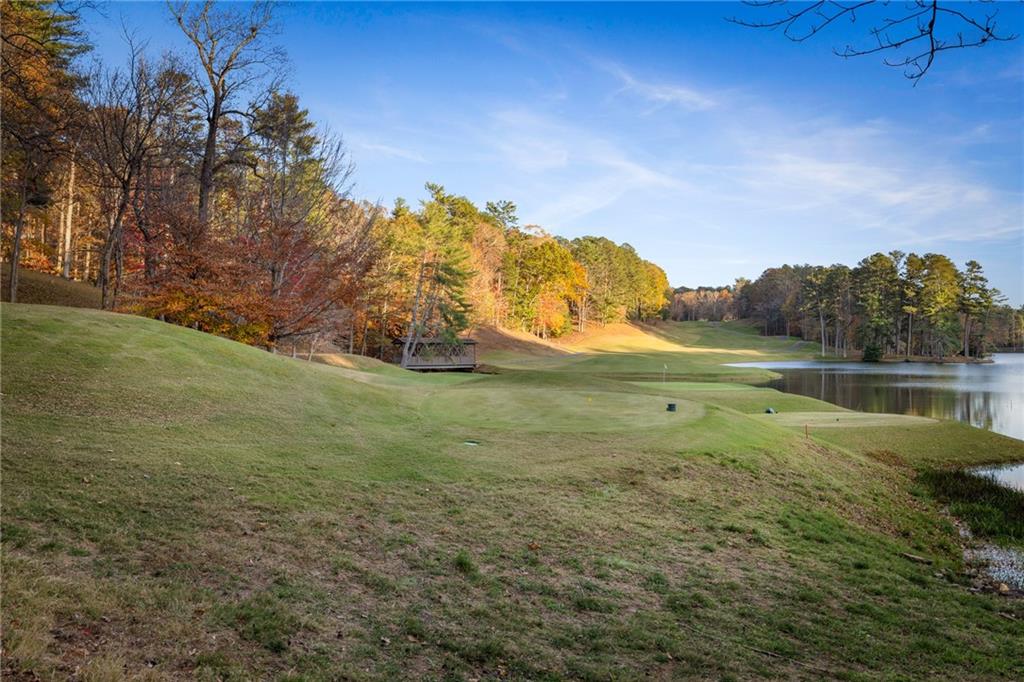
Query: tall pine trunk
[[408, 346], [19, 226], [910, 334], [821, 320], [68, 224]]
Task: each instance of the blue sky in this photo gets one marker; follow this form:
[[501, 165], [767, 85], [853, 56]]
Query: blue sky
[[715, 150]]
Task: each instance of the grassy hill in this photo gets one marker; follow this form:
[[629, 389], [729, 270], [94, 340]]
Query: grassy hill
[[694, 351], [39, 287], [179, 506]]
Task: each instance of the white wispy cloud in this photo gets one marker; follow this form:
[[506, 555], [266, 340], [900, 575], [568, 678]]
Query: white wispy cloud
[[979, 133], [391, 151], [528, 141], [660, 93], [700, 176], [759, 169], [904, 204], [570, 171]]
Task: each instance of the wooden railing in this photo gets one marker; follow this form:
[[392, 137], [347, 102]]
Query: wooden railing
[[464, 360]]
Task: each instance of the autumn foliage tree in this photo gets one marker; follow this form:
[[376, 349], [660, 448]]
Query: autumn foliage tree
[[124, 110], [306, 234], [544, 280], [194, 189], [38, 88]]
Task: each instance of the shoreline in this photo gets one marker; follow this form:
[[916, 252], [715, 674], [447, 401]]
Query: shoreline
[[913, 360]]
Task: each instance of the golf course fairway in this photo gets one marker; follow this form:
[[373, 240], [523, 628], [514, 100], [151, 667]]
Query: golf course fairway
[[179, 506]]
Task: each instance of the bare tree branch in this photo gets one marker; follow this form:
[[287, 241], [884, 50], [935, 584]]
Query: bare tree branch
[[234, 58], [936, 26]]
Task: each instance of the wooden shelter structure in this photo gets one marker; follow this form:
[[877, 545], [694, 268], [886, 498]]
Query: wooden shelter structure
[[440, 354]]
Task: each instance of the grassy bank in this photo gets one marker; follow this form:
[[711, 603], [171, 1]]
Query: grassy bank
[[39, 287], [176, 505], [992, 511], [689, 352]]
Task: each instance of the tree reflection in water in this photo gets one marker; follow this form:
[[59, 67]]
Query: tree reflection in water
[[987, 396]]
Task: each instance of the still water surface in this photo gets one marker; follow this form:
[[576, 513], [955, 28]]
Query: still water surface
[[1012, 476], [989, 396]]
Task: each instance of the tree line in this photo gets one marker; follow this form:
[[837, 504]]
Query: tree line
[[889, 304], [705, 303], [196, 189], [450, 265]]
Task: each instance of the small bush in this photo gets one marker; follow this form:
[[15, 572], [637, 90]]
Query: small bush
[[464, 563], [872, 353]]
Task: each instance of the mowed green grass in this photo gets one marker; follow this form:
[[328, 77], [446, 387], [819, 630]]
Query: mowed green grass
[[689, 352], [179, 506]]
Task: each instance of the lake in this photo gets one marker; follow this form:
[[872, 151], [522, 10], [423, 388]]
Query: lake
[[989, 396], [1012, 475]]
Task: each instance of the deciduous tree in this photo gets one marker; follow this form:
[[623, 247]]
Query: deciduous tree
[[38, 87]]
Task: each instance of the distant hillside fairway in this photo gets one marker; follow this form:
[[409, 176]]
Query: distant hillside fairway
[[39, 287], [179, 506]]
